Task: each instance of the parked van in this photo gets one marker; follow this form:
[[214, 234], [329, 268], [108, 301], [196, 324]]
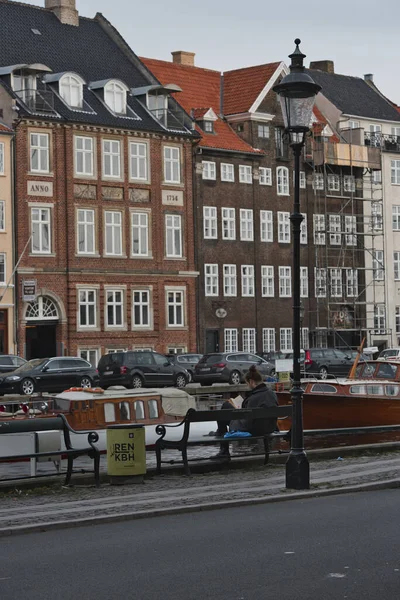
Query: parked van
[[390, 354]]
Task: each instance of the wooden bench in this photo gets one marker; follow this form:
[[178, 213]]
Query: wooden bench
[[224, 415]]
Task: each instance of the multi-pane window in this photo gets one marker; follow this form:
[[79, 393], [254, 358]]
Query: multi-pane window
[[395, 172], [40, 152], [319, 230], [305, 337], [282, 181], [115, 97], [349, 183], [210, 227], [113, 232], [41, 230], [87, 308], [263, 131], [333, 183], [86, 231], [141, 308], [231, 340], [284, 227], [140, 233], [396, 218], [268, 339], [227, 172], [302, 180], [336, 283], [396, 264], [379, 319], [246, 225], [267, 281], [351, 283], [318, 181], [304, 282], [377, 265], [376, 216], [320, 282], [245, 174], [112, 158], [209, 170], [114, 308], [303, 230], [375, 135], [173, 236], [350, 226], [84, 156], [2, 267], [265, 176], [1, 158], [377, 177], [335, 226], [266, 226], [175, 308], [211, 280], [90, 354], [2, 215], [397, 318], [230, 285], [249, 339], [286, 339], [138, 163], [228, 223], [285, 282], [247, 280], [172, 164]]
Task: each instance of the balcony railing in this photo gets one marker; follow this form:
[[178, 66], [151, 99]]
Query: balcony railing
[[388, 142], [171, 118], [37, 101]]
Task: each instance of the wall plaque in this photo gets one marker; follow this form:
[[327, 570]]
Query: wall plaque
[[40, 188], [29, 290], [112, 193], [85, 191], [136, 195], [172, 197]]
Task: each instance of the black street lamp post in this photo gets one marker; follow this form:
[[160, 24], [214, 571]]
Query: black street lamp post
[[297, 93]]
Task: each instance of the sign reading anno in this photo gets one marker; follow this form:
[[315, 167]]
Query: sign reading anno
[[40, 188]]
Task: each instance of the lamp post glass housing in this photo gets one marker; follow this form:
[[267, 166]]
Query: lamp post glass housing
[[297, 92]]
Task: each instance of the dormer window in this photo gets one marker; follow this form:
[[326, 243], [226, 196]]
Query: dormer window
[[71, 90], [115, 97], [24, 84], [208, 126], [157, 104]]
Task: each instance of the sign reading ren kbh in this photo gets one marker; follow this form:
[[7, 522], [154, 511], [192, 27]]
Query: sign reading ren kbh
[[123, 452]]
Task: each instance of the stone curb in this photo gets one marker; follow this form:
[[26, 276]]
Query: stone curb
[[191, 508]]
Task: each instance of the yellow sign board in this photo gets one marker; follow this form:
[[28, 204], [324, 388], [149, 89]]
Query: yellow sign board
[[284, 377], [126, 450]]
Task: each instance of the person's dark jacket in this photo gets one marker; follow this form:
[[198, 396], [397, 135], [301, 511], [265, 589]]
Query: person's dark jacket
[[260, 397]]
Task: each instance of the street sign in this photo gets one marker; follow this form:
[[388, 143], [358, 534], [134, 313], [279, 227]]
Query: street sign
[[29, 290]]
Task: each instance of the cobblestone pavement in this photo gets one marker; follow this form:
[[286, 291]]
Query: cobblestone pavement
[[55, 503]]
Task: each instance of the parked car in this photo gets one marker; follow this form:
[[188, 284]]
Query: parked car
[[390, 354], [10, 362], [49, 375], [228, 367], [138, 369], [323, 362], [188, 361], [271, 357]]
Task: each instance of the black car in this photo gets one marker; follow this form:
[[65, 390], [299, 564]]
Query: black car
[[188, 361], [323, 362], [10, 362], [137, 369], [49, 375], [229, 367]]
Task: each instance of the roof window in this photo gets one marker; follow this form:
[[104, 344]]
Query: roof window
[[71, 90], [115, 96]]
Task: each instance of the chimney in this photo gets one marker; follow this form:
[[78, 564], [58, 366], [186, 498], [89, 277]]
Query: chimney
[[180, 57], [65, 11], [328, 66], [369, 78]]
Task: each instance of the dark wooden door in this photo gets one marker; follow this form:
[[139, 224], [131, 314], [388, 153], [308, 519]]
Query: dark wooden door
[[3, 332], [212, 340]]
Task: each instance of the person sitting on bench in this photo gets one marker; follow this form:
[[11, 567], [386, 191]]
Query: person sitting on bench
[[260, 396]]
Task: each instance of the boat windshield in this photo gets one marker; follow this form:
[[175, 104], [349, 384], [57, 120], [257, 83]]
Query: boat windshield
[[324, 388], [386, 371], [365, 371]]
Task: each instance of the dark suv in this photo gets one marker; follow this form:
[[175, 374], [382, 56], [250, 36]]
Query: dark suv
[[228, 367], [323, 362], [138, 369], [188, 361]]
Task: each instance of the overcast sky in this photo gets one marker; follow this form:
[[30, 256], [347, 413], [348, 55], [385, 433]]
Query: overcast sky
[[361, 36]]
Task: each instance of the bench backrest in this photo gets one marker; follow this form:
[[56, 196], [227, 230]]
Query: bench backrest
[[201, 416]]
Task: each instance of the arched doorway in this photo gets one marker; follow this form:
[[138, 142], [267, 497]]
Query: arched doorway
[[42, 318]]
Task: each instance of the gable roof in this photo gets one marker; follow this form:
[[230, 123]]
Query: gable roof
[[353, 96], [242, 87]]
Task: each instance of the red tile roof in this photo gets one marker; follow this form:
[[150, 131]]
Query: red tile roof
[[4, 127], [243, 86]]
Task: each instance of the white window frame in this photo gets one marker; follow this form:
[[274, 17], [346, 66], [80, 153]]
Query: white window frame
[[87, 303], [376, 216], [379, 319], [396, 265], [267, 281], [230, 280], [228, 219], [142, 302], [352, 283], [245, 174], [333, 182], [140, 224], [42, 150], [305, 338], [111, 153], [282, 181], [349, 183], [67, 85], [209, 170], [283, 227], [3, 268], [268, 339], [335, 228], [248, 290], [303, 282], [84, 147], [178, 302], [395, 172], [172, 164], [86, 230], [266, 226], [262, 131], [40, 224], [249, 340], [265, 176], [286, 339], [319, 229], [112, 91], [246, 225], [303, 181], [138, 161], [378, 265], [336, 283], [231, 340], [227, 172], [173, 236], [350, 227], [85, 353], [211, 279], [318, 181], [210, 223], [117, 304], [285, 282], [115, 229], [303, 230], [396, 217], [397, 320], [320, 282], [2, 215]]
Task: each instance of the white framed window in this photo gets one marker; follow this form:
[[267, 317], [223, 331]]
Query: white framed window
[[333, 183], [210, 223], [349, 183], [285, 282], [141, 315], [172, 164], [375, 135], [350, 226], [114, 308], [353, 124], [319, 230], [84, 156], [305, 337], [396, 218], [247, 280], [249, 339], [112, 158], [140, 233], [92, 355], [378, 266], [268, 339], [284, 227], [266, 226], [265, 177], [396, 265], [377, 216], [303, 282], [227, 172], [351, 283], [138, 161], [211, 284], [115, 97], [335, 227], [87, 308], [86, 236], [285, 335], [395, 131], [231, 340], [3, 276], [173, 236], [397, 319], [320, 282], [113, 233], [282, 181], [395, 172], [246, 225], [175, 308], [377, 177], [71, 90], [303, 180], [209, 170], [2, 215], [41, 230], [267, 281], [318, 181], [228, 223], [2, 167], [40, 152], [230, 280], [245, 174], [303, 230], [379, 319], [263, 131], [336, 283]]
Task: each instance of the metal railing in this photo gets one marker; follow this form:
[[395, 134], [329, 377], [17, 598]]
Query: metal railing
[[37, 101], [170, 118], [388, 142]]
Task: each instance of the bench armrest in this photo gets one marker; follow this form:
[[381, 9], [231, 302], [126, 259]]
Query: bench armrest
[[161, 429]]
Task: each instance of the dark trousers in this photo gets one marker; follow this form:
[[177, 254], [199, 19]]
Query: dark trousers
[[223, 427]]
